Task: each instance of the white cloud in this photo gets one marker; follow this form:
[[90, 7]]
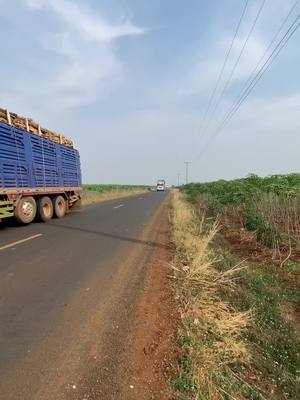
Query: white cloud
[[87, 72], [270, 116], [82, 19], [197, 79], [262, 138], [81, 63]]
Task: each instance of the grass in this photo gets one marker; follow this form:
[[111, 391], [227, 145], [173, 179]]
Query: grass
[[211, 328], [272, 338], [238, 336], [94, 193], [105, 188]]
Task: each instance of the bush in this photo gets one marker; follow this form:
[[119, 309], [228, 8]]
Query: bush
[[254, 221]]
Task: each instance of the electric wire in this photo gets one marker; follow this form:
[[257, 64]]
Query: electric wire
[[276, 51], [253, 73], [227, 83], [225, 60], [282, 43]]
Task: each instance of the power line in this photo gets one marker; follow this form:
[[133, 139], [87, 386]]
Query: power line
[[267, 49], [279, 47], [239, 57], [281, 44], [225, 60], [229, 79]]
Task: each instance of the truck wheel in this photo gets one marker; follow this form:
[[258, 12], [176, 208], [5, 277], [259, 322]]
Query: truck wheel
[[25, 210], [60, 206], [45, 208]]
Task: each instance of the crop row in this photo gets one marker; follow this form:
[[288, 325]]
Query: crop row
[[102, 188], [269, 207]]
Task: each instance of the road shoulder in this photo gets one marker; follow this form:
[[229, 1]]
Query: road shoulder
[[152, 349]]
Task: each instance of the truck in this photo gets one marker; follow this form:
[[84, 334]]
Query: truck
[[40, 173], [161, 185]]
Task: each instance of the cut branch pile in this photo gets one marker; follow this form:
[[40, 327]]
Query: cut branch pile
[[29, 125]]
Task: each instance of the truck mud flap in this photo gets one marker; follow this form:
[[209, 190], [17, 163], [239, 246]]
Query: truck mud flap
[[76, 207]]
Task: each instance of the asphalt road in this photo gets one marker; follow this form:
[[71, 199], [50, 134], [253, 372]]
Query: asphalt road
[[61, 283]]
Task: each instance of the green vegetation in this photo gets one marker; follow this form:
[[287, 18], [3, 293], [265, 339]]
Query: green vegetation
[[269, 206], [211, 335], [239, 191], [94, 193], [240, 332], [109, 187], [272, 337]]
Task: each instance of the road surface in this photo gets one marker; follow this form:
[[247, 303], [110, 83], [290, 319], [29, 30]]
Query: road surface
[[66, 290]]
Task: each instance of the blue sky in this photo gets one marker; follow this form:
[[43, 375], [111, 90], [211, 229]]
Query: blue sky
[[129, 81]]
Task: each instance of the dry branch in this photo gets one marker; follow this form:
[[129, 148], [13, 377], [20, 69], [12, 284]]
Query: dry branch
[[29, 125]]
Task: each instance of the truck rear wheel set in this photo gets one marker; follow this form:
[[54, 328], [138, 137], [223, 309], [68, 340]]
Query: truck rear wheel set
[[27, 208]]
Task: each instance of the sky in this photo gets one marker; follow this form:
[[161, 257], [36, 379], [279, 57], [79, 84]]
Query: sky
[[130, 81]]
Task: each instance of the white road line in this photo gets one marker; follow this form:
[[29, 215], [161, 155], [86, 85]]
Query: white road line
[[7, 246], [120, 205], [140, 198]]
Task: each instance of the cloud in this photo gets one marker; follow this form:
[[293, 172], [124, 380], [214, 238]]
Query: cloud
[[82, 19], [80, 63], [198, 78], [270, 115], [199, 73], [87, 73], [263, 138]]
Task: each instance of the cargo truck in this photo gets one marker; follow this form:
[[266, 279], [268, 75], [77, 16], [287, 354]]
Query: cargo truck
[[161, 185], [40, 173]]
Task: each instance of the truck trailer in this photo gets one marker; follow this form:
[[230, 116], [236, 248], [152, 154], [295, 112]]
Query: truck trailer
[[40, 174]]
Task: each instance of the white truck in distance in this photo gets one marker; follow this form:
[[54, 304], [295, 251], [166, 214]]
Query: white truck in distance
[[161, 185]]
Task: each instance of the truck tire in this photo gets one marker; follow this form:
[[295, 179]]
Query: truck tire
[[25, 210], [60, 206], [45, 208]]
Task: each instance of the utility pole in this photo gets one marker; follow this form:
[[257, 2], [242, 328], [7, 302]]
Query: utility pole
[[187, 163], [178, 179]]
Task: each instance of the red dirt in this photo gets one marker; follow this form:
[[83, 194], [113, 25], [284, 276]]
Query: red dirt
[[153, 349], [245, 244]]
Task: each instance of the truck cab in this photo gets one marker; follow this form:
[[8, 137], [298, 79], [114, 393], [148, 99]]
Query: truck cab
[[161, 185]]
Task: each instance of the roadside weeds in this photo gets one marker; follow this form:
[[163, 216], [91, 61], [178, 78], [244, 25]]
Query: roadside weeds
[[236, 340], [90, 197], [211, 329]]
